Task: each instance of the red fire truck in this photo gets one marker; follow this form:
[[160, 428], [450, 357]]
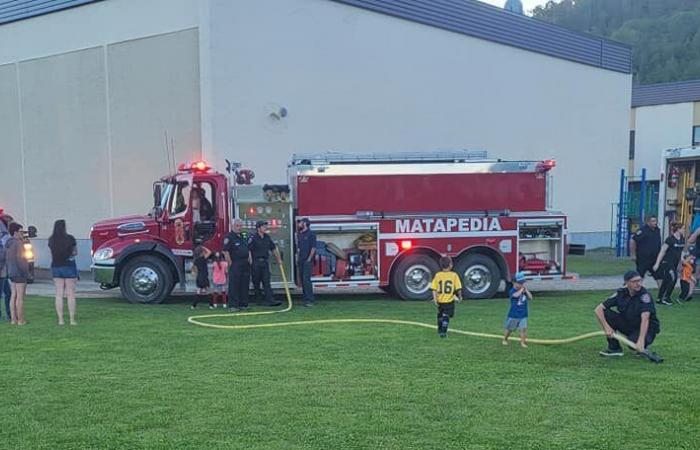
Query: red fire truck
[[381, 220]]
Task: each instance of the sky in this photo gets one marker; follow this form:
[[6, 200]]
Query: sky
[[528, 5]]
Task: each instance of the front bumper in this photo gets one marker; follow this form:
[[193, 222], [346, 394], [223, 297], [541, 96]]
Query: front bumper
[[104, 274]]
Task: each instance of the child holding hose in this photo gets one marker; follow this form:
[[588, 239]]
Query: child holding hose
[[517, 315]]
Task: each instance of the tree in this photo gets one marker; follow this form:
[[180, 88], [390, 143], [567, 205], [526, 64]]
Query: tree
[[663, 34]]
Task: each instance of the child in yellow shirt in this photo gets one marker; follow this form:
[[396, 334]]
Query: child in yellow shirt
[[447, 288]]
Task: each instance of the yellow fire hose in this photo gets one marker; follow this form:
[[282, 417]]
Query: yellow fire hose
[[196, 320]]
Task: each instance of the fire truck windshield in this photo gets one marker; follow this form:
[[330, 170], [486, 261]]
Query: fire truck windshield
[[164, 192]]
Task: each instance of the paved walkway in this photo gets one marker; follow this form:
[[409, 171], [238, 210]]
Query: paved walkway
[[89, 289]]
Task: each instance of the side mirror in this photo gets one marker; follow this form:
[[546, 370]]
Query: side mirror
[[31, 231]]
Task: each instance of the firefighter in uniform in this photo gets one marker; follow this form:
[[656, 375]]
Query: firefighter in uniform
[[261, 245], [634, 316], [644, 248], [237, 256]]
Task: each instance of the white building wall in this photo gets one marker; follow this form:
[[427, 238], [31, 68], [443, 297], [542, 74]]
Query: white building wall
[[354, 80], [658, 128]]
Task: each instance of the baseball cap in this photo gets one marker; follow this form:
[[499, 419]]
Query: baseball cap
[[630, 274], [519, 277], [260, 223]]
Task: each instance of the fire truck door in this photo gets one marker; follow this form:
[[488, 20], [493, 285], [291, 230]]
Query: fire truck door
[[178, 228]]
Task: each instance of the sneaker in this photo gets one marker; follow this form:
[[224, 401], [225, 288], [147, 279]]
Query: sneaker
[[611, 352], [193, 306], [308, 304], [664, 301], [443, 334], [651, 356], [679, 300]]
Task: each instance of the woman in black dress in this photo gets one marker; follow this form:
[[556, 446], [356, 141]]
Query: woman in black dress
[[63, 268]]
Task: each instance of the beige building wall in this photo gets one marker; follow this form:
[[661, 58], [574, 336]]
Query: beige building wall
[[161, 96], [11, 175], [658, 128], [64, 135], [82, 132]]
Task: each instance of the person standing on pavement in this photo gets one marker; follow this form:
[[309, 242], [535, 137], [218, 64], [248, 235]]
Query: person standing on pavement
[[63, 269], [5, 291], [644, 248], [261, 245], [18, 271], [306, 248], [668, 262], [634, 316], [237, 256]]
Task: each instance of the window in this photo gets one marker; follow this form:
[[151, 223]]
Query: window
[[178, 203], [203, 203], [631, 149], [696, 135]]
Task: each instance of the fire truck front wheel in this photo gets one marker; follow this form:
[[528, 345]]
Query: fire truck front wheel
[[480, 274], [412, 276], [146, 279]]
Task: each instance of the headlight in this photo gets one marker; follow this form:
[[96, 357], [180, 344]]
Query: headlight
[[28, 252], [105, 253]]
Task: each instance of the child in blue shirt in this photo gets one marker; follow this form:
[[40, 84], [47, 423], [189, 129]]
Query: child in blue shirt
[[517, 315]]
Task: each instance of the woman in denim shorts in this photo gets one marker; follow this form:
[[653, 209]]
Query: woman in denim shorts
[[65, 271]]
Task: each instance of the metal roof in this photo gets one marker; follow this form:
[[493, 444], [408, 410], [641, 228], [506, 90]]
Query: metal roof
[[13, 10], [467, 17], [666, 93], [483, 21]]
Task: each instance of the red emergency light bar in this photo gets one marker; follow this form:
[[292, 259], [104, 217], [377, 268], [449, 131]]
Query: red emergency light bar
[[197, 166], [546, 165]]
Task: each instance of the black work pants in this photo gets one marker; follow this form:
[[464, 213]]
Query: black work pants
[[305, 269], [669, 277], [238, 284], [618, 323], [261, 275]]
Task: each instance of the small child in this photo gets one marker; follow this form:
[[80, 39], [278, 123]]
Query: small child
[[200, 267], [447, 287], [687, 279], [517, 315], [219, 270]]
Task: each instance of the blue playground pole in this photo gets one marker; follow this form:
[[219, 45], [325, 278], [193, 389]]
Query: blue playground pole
[[643, 197], [620, 209]]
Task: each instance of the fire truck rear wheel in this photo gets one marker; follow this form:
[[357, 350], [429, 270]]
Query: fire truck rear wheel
[[146, 279], [411, 278], [480, 274]]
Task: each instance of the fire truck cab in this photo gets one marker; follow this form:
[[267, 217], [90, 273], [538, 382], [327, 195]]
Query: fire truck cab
[[381, 220]]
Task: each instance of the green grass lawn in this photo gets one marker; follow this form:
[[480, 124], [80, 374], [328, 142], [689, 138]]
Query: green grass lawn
[[133, 376], [598, 262]]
